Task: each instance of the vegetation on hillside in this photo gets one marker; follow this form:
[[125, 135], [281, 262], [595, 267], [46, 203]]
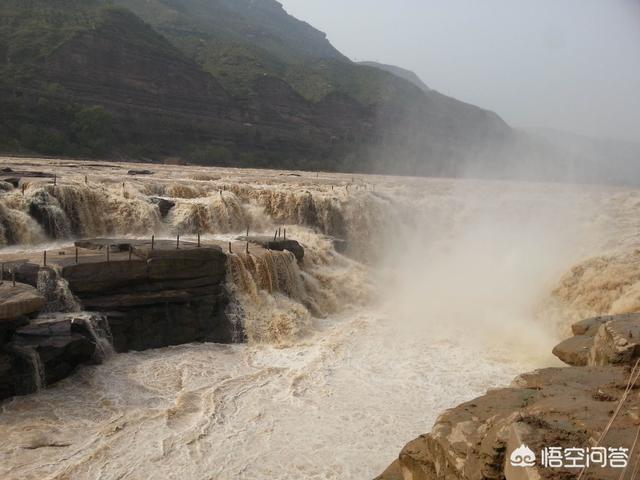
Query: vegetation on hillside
[[225, 82]]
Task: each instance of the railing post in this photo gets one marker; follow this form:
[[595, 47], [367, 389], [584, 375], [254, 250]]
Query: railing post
[[178, 241], [76, 255], [198, 240], [45, 258], [153, 241], [230, 251]]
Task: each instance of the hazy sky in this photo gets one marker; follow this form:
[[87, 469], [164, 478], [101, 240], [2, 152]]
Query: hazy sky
[[566, 64]]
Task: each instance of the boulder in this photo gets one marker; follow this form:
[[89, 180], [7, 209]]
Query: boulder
[[164, 205], [589, 326], [19, 300], [575, 350], [14, 181], [41, 353], [616, 342], [604, 340], [278, 244], [27, 272]]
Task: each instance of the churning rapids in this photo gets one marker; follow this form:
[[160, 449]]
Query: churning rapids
[[443, 289]]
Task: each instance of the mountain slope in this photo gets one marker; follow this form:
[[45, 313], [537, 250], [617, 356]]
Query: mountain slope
[[235, 82], [399, 72]]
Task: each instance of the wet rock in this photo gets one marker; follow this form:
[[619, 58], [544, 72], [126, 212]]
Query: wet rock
[[7, 384], [19, 300], [101, 244], [17, 175], [59, 354], [28, 272], [41, 353], [14, 181], [163, 296], [589, 326], [575, 350], [393, 472], [160, 325], [340, 245], [164, 205], [278, 244], [616, 342], [604, 340], [6, 186]]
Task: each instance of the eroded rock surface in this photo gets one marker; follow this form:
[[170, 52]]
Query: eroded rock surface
[[604, 340], [154, 296], [564, 407], [18, 300]]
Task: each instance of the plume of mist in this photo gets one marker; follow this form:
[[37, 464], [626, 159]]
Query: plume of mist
[[482, 269]]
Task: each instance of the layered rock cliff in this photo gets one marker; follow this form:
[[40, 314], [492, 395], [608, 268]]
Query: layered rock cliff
[[121, 295]]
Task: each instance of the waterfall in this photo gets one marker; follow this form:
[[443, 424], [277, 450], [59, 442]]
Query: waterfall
[[57, 292], [267, 296], [16, 226], [46, 209], [75, 209], [98, 328], [219, 212]]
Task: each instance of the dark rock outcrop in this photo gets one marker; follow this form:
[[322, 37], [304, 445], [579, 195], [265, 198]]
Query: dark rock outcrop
[[161, 296], [164, 205], [277, 244], [142, 296], [18, 300], [42, 353]]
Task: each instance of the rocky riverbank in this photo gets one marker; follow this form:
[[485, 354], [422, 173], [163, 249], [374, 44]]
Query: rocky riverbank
[[124, 295], [554, 407]]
